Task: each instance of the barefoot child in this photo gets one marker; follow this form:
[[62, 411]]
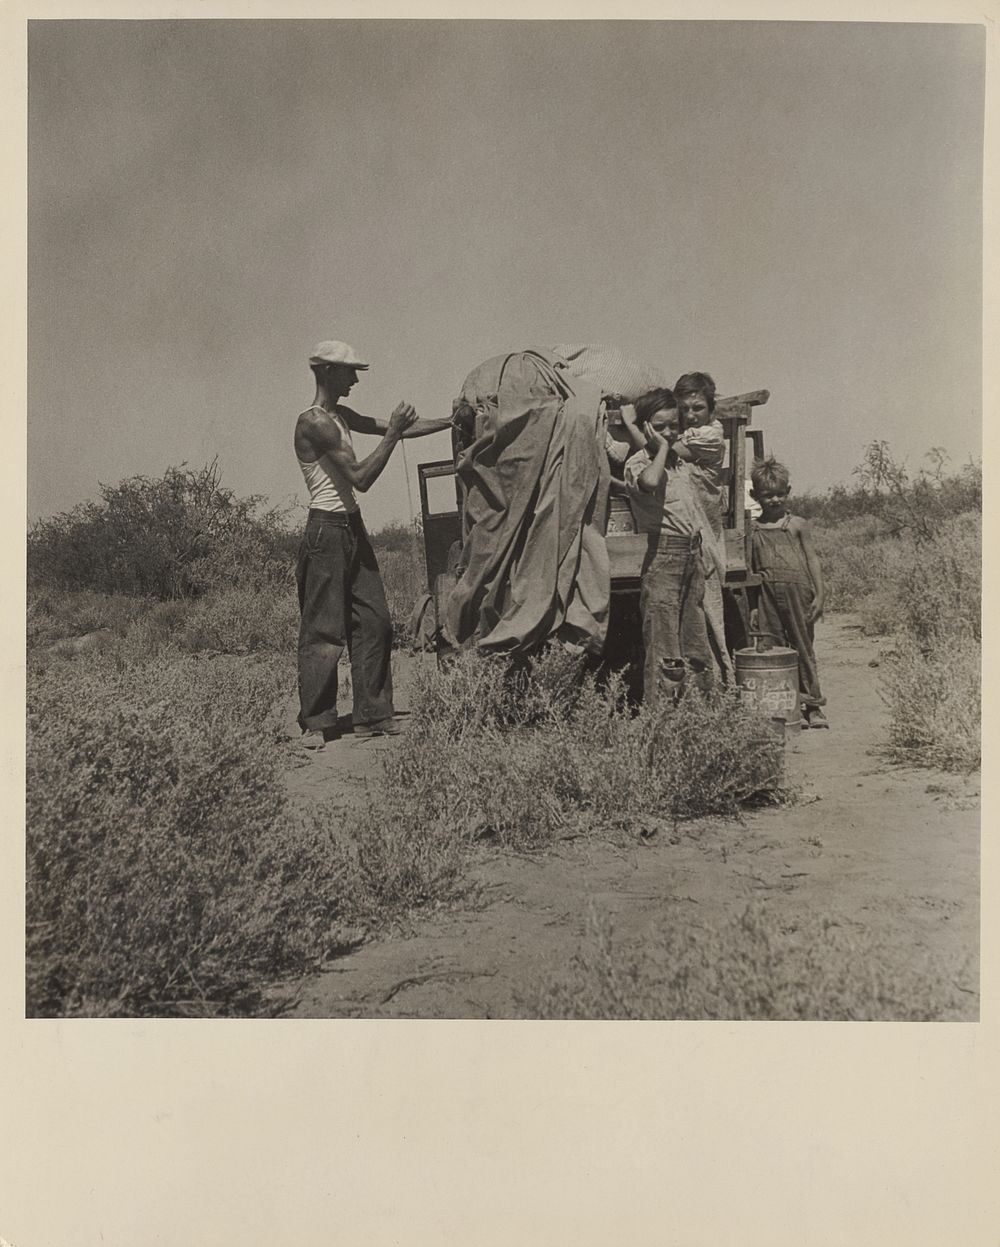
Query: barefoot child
[[791, 591]]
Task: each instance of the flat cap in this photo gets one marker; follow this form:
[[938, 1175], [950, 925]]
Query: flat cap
[[336, 353]]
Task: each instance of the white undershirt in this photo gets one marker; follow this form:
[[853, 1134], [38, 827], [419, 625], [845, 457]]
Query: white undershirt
[[329, 490]]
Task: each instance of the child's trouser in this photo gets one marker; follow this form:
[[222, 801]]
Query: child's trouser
[[673, 612], [781, 611]]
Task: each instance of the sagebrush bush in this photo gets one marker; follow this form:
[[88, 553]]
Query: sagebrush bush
[[934, 695], [404, 578], [886, 491], [518, 756], [751, 968], [167, 870], [396, 538], [854, 559], [928, 587], [178, 535], [57, 614], [926, 593], [938, 587], [242, 621], [223, 621]]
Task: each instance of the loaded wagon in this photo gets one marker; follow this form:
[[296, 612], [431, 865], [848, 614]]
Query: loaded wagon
[[444, 509]]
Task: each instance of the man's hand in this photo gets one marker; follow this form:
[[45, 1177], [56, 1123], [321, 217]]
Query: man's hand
[[814, 611], [401, 419]]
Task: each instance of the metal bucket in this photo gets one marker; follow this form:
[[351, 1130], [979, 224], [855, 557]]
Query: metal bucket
[[620, 517], [769, 678]]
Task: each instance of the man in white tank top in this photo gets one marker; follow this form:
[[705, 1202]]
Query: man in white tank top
[[341, 599]]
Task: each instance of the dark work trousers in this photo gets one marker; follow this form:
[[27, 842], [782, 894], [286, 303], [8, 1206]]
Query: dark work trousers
[[672, 603], [342, 605]]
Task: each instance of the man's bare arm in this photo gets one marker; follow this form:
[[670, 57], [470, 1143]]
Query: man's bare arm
[[358, 423], [320, 431]]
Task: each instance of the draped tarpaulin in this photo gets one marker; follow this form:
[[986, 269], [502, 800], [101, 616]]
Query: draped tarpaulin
[[535, 481], [615, 371]]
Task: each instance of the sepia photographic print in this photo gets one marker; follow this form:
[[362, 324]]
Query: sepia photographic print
[[504, 519], [504, 553]]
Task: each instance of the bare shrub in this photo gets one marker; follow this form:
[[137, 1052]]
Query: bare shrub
[[408, 854], [919, 504], [751, 968]]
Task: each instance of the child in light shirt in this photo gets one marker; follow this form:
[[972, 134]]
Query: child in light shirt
[[702, 445]]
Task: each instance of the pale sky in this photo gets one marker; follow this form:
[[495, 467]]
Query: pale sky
[[794, 207]]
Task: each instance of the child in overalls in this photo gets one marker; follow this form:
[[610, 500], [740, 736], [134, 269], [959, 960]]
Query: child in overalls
[[791, 592]]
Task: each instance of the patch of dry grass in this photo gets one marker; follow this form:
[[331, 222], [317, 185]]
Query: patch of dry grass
[[227, 620], [519, 758], [930, 588], [935, 704], [926, 594], [752, 968], [404, 579]]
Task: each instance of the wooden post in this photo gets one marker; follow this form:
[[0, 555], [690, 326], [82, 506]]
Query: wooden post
[[735, 419]]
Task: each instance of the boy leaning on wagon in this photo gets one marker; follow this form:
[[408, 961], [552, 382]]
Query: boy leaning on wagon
[[341, 599]]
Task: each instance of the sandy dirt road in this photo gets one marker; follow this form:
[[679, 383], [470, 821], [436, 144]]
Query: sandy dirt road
[[890, 852]]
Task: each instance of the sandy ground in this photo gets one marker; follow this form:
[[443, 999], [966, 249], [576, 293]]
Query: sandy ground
[[887, 851]]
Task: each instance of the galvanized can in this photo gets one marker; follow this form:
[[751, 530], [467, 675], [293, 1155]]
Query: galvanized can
[[620, 517], [769, 678]]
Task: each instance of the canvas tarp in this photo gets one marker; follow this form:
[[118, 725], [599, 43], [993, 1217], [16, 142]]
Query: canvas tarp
[[535, 484], [613, 370]]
